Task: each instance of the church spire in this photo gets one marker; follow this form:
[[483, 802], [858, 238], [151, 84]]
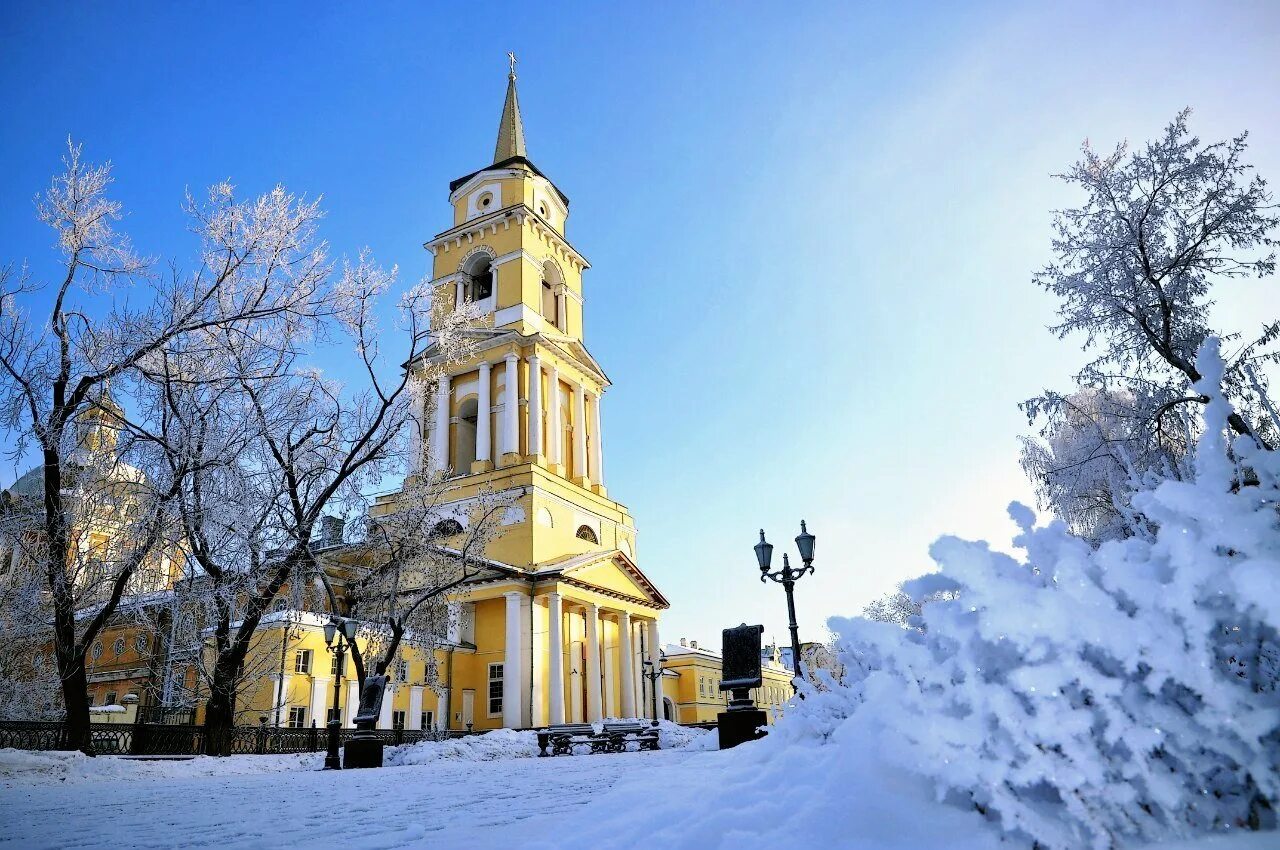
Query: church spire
[[510, 129]]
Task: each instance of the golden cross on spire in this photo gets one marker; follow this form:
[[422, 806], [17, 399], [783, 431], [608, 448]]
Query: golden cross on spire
[[511, 57]]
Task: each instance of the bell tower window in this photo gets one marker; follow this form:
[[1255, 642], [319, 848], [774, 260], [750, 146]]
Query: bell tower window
[[479, 284], [464, 448], [552, 295]]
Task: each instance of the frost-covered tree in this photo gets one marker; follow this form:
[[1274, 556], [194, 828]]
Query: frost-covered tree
[[1097, 452], [280, 447], [409, 559], [64, 342], [1137, 267], [900, 608], [1089, 697]]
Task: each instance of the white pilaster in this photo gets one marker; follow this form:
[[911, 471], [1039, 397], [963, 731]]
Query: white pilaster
[[440, 432], [442, 709], [628, 672], [535, 405], [597, 444], [511, 663], [580, 433], [511, 408], [555, 427], [320, 689], [353, 702], [414, 718], [388, 700], [555, 646], [592, 639], [280, 696], [484, 415]]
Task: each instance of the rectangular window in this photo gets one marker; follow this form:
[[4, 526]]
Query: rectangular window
[[332, 715], [495, 689], [302, 661], [297, 716], [111, 698], [397, 719], [402, 671], [702, 686], [428, 720], [333, 664]]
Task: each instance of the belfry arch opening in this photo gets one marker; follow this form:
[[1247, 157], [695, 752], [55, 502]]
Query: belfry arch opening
[[480, 279], [553, 295], [464, 447]]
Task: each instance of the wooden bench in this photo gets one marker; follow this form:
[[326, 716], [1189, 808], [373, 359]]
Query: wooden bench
[[614, 737]]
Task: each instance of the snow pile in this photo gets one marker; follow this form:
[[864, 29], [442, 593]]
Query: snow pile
[[1081, 696], [673, 736], [498, 744], [25, 767]]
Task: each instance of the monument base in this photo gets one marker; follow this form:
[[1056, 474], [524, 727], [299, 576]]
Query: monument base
[[362, 752], [738, 727]]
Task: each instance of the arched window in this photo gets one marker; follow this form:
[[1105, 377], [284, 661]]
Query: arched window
[[549, 302], [464, 447], [587, 533], [479, 279], [446, 528]]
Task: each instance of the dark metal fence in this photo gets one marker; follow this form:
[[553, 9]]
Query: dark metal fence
[[153, 739]]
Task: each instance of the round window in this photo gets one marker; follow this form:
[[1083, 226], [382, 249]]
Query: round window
[[118, 646], [141, 643], [485, 200], [542, 210], [96, 651]]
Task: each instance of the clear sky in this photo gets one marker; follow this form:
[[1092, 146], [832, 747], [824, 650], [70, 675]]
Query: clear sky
[[812, 227]]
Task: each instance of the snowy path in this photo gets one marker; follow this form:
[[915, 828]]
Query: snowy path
[[441, 804]]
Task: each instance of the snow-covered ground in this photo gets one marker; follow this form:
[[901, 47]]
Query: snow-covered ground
[[487, 792]]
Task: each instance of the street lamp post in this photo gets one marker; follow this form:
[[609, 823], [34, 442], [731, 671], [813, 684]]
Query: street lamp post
[[788, 577], [653, 672], [344, 630]]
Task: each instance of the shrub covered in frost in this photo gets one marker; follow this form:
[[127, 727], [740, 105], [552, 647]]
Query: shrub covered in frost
[[1090, 697]]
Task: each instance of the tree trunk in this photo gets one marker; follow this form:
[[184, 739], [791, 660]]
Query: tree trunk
[[220, 709], [75, 687]]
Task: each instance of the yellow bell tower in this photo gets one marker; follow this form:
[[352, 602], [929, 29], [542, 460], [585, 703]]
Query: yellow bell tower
[[525, 411]]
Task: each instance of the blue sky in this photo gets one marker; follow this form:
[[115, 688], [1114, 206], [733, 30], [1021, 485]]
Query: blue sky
[[812, 227]]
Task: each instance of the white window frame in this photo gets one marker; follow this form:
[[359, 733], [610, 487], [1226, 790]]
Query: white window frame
[[428, 720], [302, 662], [300, 713]]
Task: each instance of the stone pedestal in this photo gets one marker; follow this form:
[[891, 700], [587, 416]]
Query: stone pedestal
[[737, 727], [362, 752]]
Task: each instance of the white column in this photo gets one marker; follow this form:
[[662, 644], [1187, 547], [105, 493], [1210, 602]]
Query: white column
[[442, 710], [278, 698], [597, 443], [511, 665], [535, 405], [511, 408], [592, 639], [555, 427], [579, 432], [458, 293], [414, 718], [388, 701], [319, 691], [440, 433], [353, 702], [484, 414], [655, 655], [417, 428], [610, 674], [628, 672], [555, 646]]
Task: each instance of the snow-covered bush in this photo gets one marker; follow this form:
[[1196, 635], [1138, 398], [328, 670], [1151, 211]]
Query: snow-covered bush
[[1087, 697]]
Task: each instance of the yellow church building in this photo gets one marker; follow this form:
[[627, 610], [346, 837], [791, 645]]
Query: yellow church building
[[564, 627]]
